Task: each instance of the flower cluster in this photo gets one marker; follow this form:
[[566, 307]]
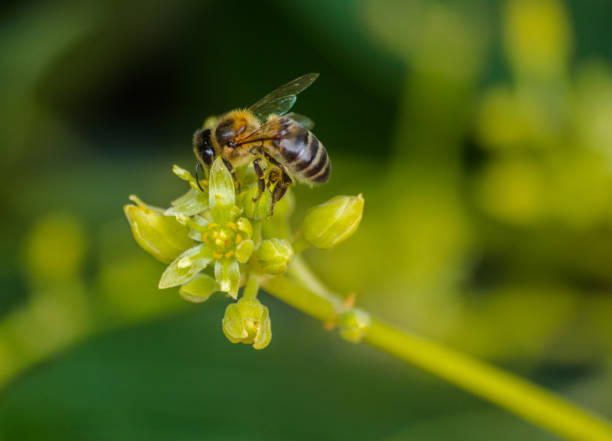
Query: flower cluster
[[214, 239]]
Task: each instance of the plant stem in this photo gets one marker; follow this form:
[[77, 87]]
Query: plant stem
[[300, 244], [251, 288], [520, 397], [301, 272]]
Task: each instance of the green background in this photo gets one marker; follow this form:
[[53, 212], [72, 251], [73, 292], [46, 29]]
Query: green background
[[480, 134]]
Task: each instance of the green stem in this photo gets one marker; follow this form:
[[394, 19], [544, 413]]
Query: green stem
[[524, 399], [251, 287], [301, 272], [300, 244]]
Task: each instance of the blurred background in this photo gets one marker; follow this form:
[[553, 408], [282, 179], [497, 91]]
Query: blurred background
[[480, 134]]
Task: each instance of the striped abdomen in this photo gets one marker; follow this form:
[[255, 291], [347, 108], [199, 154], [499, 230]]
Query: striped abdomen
[[301, 152]]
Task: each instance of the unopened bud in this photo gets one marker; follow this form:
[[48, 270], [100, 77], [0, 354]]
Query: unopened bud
[[258, 209], [274, 255], [353, 324], [248, 321], [334, 221], [161, 236]]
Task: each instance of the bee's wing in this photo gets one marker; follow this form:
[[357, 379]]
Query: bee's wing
[[274, 128], [302, 120], [281, 100]]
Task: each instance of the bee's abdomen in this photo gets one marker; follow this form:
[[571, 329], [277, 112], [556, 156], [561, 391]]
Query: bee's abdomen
[[306, 157]]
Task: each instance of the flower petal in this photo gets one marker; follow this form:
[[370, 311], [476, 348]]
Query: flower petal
[[185, 175], [221, 186], [186, 266], [191, 203], [264, 333], [244, 250], [233, 325], [227, 273], [199, 289]]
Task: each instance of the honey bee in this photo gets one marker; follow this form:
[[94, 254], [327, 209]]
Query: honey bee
[[267, 135]]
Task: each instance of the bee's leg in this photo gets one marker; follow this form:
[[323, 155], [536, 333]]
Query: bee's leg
[[261, 181], [282, 182], [229, 166], [197, 175], [280, 189]]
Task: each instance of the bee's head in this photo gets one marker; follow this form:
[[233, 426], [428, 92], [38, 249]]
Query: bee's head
[[203, 147]]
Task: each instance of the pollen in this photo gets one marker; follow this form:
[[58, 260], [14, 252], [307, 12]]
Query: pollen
[[212, 225], [229, 254], [238, 239], [205, 237], [217, 255], [232, 225]]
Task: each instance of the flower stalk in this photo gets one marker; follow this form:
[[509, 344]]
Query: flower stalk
[[525, 399]]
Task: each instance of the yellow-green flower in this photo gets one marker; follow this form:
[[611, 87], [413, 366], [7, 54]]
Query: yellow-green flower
[[225, 238], [248, 321], [214, 240]]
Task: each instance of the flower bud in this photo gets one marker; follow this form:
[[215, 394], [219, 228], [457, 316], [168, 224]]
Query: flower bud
[[353, 324], [161, 236], [330, 223], [199, 289], [244, 250], [256, 210], [274, 255], [248, 321]]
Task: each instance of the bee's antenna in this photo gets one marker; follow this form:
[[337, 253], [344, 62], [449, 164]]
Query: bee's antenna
[[197, 175]]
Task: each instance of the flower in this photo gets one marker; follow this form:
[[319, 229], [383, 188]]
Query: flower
[[214, 239], [225, 238], [248, 321]]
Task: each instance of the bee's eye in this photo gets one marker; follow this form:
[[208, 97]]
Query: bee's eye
[[203, 147], [208, 155]]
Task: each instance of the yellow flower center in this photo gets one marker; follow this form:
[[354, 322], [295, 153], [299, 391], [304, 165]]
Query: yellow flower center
[[223, 239]]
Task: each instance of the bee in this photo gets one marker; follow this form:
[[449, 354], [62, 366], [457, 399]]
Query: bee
[[269, 136]]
